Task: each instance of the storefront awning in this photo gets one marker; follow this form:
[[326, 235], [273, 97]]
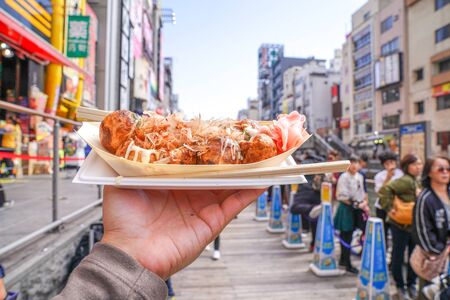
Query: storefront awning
[[24, 40]]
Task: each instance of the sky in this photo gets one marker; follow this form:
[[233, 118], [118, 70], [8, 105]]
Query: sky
[[214, 45]]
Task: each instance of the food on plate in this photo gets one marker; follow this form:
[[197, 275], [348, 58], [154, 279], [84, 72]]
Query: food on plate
[[152, 138]]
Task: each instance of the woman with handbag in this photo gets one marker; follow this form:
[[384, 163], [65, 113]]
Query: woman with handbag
[[431, 227], [398, 198]]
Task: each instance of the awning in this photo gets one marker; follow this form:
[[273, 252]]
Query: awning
[[24, 40]]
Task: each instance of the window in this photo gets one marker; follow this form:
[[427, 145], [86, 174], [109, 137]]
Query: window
[[443, 139], [391, 122], [363, 61], [443, 102], [390, 47], [366, 16], [363, 81], [420, 107], [418, 74], [387, 24], [442, 33], [390, 95], [444, 65], [362, 41], [438, 4]]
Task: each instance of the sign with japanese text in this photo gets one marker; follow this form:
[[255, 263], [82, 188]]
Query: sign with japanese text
[[78, 36]]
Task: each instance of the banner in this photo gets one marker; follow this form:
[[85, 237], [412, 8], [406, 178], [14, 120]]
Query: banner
[[78, 36]]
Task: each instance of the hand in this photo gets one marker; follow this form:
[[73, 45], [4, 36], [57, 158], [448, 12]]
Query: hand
[[167, 230], [3, 293]]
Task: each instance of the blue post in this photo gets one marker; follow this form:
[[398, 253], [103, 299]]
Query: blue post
[[373, 278], [293, 238], [261, 208], [275, 222], [324, 262]]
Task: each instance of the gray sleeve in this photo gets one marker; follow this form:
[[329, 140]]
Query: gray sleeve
[[109, 273]]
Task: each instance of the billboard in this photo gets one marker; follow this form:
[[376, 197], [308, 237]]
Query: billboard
[[414, 138], [388, 70]]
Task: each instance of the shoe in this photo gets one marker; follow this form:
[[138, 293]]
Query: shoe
[[216, 255], [431, 291], [402, 294], [352, 270], [412, 291]]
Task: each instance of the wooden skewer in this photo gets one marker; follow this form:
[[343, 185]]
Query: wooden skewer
[[306, 169]]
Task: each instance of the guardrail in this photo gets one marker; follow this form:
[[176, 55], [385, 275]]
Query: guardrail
[[55, 179]]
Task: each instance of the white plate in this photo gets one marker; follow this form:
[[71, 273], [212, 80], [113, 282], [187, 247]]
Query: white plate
[[96, 171]]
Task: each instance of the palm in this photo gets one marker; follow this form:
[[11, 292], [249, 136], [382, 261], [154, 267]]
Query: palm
[[165, 230]]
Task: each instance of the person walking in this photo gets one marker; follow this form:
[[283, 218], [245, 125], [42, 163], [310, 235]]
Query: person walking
[[352, 204], [398, 198], [431, 223]]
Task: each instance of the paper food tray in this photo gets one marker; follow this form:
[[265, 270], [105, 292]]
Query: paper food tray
[[96, 171], [89, 132]]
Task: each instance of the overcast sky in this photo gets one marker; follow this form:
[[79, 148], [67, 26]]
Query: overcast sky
[[214, 45]]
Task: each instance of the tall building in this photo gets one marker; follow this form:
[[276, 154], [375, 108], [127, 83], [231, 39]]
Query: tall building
[[390, 83], [268, 54], [278, 69], [364, 41], [428, 28], [312, 95], [288, 103], [346, 91]]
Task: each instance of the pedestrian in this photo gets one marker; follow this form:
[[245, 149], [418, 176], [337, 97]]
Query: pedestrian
[[353, 203], [390, 172], [398, 198], [431, 224], [168, 230], [3, 293], [9, 143], [216, 252], [364, 163]]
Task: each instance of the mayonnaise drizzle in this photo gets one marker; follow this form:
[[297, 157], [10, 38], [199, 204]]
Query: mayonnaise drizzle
[[146, 154]]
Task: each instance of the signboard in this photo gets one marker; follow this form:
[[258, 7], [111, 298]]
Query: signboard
[[344, 123], [388, 70], [141, 88], [78, 36], [414, 138], [441, 90], [33, 14]]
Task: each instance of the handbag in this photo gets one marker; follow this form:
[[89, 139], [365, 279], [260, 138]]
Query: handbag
[[402, 211], [425, 267]]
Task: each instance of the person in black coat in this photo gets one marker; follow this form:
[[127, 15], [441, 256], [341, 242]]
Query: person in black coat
[[431, 219]]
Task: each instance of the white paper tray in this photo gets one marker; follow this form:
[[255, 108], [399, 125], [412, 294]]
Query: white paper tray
[[96, 171]]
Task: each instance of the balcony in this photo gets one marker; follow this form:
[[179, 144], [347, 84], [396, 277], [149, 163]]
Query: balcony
[[440, 78]]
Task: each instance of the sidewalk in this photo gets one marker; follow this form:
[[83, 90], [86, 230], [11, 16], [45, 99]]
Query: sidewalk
[[32, 207], [254, 265]]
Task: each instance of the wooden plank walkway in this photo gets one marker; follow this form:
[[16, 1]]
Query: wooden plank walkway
[[255, 265]]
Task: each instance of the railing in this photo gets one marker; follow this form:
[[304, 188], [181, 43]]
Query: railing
[[55, 179]]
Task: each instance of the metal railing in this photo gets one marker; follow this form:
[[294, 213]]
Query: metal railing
[[55, 178]]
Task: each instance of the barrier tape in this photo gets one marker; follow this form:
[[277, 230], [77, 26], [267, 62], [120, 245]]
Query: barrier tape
[[29, 157]]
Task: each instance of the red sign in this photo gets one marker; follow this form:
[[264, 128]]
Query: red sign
[[344, 123], [441, 90]]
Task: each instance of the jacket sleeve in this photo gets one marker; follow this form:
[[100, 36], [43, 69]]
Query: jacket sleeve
[[342, 189], [109, 273], [388, 192], [423, 226]]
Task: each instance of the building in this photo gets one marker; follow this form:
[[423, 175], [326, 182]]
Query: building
[[346, 91], [278, 69], [363, 44], [428, 28], [390, 84], [168, 104], [312, 95], [268, 54], [336, 61], [288, 103], [253, 110]]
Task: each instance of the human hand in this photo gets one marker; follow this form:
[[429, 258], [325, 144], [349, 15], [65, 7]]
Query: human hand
[[166, 230], [3, 293]]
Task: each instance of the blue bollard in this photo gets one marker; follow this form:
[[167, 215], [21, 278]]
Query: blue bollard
[[373, 278], [275, 222], [261, 208], [293, 238], [324, 262]]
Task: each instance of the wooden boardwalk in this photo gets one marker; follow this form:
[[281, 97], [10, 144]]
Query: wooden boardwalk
[[255, 265]]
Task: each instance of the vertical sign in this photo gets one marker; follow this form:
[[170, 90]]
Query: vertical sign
[[78, 36], [414, 138]]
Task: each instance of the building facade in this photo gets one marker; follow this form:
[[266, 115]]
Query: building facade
[[346, 92], [288, 103], [428, 27]]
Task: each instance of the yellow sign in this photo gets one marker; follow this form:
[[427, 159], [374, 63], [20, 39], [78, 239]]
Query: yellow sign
[[325, 192]]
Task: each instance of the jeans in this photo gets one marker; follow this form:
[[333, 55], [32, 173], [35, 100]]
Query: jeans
[[402, 239], [170, 291], [217, 243]]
